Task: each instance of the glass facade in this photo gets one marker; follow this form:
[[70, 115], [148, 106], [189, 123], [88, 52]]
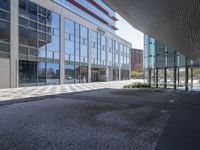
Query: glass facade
[[98, 42], [39, 45], [4, 28], [86, 46], [165, 67], [76, 52], [94, 52], [116, 53], [124, 61], [110, 51], [106, 17]]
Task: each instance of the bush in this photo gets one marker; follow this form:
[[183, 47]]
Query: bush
[[137, 85]]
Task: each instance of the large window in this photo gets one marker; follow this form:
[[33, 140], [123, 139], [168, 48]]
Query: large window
[[102, 50], [69, 73], [98, 42], [110, 51], [41, 73], [124, 74], [27, 72], [77, 73], [69, 41], [53, 73], [84, 55], [4, 28], [122, 47], [83, 74], [39, 41], [84, 44], [115, 74], [77, 43], [116, 54], [76, 52], [94, 47]]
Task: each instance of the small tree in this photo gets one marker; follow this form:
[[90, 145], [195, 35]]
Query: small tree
[[138, 68], [135, 74], [196, 72]]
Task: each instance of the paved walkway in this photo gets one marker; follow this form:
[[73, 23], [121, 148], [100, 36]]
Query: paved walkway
[[27, 92], [105, 119], [182, 131]]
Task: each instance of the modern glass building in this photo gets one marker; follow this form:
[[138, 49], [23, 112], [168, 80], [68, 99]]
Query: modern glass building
[[137, 61], [165, 67], [50, 42]]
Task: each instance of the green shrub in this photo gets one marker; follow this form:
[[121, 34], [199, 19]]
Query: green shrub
[[137, 85]]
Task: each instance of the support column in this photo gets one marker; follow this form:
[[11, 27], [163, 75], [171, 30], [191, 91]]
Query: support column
[[186, 75], [129, 71], [165, 77], [129, 64], [175, 70], [89, 56], [191, 77], [107, 68], [150, 77], [14, 44], [107, 73], [156, 76], [62, 49], [178, 76], [119, 60], [174, 77], [120, 71]]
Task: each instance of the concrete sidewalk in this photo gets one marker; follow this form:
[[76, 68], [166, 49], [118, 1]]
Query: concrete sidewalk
[[37, 91], [106, 119], [182, 131]]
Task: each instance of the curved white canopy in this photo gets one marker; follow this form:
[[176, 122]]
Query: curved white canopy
[[173, 22]]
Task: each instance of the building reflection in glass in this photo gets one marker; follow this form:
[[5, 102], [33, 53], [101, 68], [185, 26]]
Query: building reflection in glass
[[39, 45]]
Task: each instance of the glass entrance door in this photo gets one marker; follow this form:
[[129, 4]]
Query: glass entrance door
[[27, 73], [95, 77]]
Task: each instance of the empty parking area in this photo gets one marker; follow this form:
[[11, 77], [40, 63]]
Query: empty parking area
[[99, 119]]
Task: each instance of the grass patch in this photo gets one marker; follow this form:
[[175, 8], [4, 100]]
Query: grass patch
[[137, 85]]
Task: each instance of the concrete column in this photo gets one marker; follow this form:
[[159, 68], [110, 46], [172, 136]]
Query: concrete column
[[191, 77], [129, 72], [107, 68], [178, 76], [186, 75], [119, 58], [154, 79], [62, 49], [129, 64], [150, 77], [174, 77], [165, 77], [14, 43], [89, 56], [175, 70], [107, 74], [156, 76], [120, 71]]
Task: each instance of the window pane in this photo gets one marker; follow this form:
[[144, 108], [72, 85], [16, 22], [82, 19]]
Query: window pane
[[27, 73], [4, 16], [5, 4], [69, 73], [32, 10], [4, 32], [53, 73]]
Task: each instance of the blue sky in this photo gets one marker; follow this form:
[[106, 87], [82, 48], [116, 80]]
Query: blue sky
[[129, 33]]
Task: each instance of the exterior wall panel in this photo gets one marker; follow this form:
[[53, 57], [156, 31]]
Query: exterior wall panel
[[4, 73]]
